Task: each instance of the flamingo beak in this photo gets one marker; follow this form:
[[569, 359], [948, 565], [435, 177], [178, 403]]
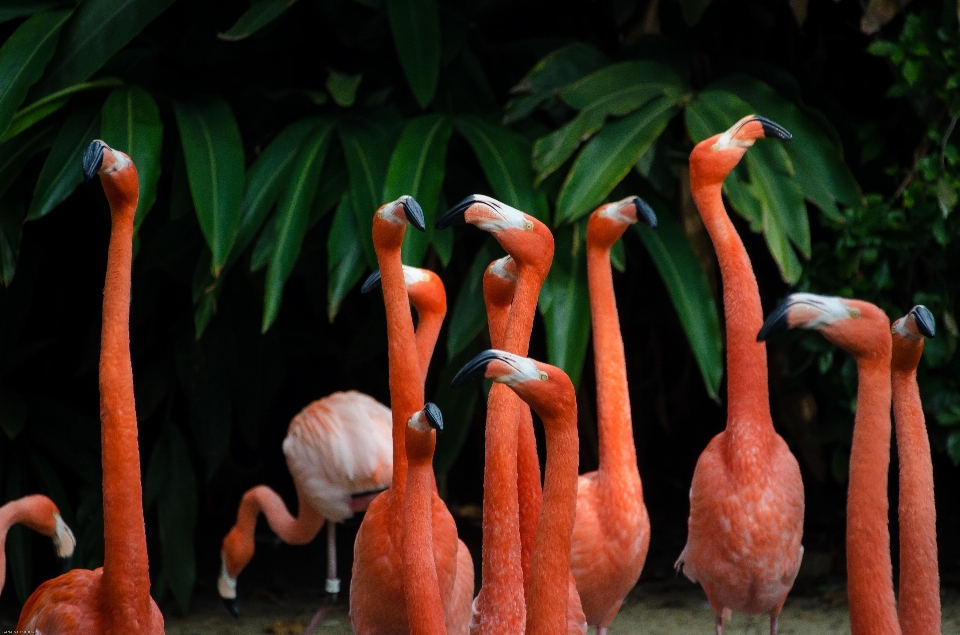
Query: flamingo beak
[[776, 323], [64, 563], [456, 215], [433, 416], [926, 323], [371, 283], [232, 606], [476, 368], [93, 159], [413, 212], [645, 212], [772, 130]]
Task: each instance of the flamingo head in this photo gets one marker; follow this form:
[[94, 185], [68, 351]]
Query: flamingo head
[[424, 288], [712, 159], [854, 325], [235, 554], [908, 333], [608, 222], [524, 237], [546, 388], [500, 282], [391, 219], [420, 437], [63, 542], [117, 173]]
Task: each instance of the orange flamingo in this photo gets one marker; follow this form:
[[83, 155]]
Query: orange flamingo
[[612, 530], [548, 390], [746, 498], [421, 588], [114, 599], [39, 514], [919, 608], [862, 330], [377, 604]]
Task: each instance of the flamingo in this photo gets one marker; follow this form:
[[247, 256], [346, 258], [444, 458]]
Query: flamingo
[[114, 599], [548, 390], [338, 450], [41, 515], [421, 588], [919, 609], [612, 530], [377, 604], [862, 330], [746, 498]]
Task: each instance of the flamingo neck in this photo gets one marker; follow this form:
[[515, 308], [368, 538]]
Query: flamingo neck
[[870, 578], [420, 582], [428, 330], [920, 611], [550, 565], [126, 576], [748, 401]]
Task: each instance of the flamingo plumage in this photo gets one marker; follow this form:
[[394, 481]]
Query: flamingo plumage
[[114, 599], [39, 513], [746, 498]]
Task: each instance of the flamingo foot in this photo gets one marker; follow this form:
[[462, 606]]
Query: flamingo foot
[[774, 622], [317, 618], [719, 625], [232, 606], [601, 630]]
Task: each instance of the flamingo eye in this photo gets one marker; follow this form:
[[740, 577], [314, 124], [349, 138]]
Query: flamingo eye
[[527, 225], [543, 376], [854, 313]]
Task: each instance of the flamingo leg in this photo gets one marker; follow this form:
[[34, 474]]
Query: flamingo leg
[[719, 625], [774, 620], [332, 582]]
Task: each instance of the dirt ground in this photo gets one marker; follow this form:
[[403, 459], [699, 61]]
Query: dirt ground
[[675, 608]]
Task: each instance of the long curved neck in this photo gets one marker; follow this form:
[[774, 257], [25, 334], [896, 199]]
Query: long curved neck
[[126, 576], [420, 583], [748, 401], [614, 424], [870, 576], [549, 591], [919, 574], [428, 330]]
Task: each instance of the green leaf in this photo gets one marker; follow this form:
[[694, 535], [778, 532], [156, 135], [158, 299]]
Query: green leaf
[[690, 293], [61, 172], [43, 108], [172, 483], [469, 315], [505, 159], [415, 25], [214, 160], [416, 168], [263, 249], [260, 14], [367, 146], [131, 123], [293, 213], [457, 407], [13, 154], [11, 230], [13, 9], [345, 264], [23, 57], [693, 10], [565, 302], [618, 256], [622, 88], [610, 155], [343, 88], [95, 32]]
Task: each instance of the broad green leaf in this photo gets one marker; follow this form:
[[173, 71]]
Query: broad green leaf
[[130, 122], [23, 57], [607, 158], [11, 230], [43, 108], [618, 256], [260, 14], [61, 172], [13, 9], [552, 150], [345, 264], [558, 69], [469, 315], [343, 88], [457, 407], [214, 160], [263, 248], [416, 168], [690, 293], [565, 302], [505, 159], [172, 483], [293, 214], [367, 146], [712, 112], [621, 88], [14, 153], [97, 30], [415, 25], [693, 9]]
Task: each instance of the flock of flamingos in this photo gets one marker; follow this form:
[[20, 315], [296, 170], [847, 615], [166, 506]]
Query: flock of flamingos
[[556, 558]]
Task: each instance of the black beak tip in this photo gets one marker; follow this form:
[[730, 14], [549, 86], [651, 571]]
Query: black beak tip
[[926, 323], [456, 214], [232, 606], [474, 369], [414, 212], [371, 283], [645, 212], [64, 563], [434, 416], [92, 159], [773, 130]]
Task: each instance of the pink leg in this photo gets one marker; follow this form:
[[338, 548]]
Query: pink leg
[[601, 630], [774, 621], [719, 625], [332, 584]]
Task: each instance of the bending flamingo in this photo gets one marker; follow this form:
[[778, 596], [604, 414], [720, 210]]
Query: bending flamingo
[[862, 330], [114, 599], [612, 530], [377, 603], [746, 498], [919, 601], [39, 514], [548, 390]]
